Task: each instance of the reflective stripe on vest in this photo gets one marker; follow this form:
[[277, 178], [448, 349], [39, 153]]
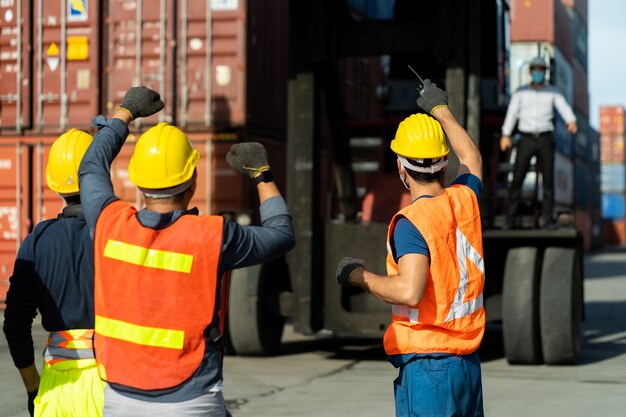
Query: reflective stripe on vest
[[141, 335], [150, 258], [155, 296], [450, 317], [69, 345], [465, 252]]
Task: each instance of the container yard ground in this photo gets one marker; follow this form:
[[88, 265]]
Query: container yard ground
[[315, 377]]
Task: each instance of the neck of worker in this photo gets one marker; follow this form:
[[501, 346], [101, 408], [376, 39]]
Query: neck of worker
[[169, 204], [536, 86], [161, 207], [420, 189]]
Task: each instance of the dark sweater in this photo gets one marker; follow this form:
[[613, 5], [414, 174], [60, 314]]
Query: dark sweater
[[53, 273]]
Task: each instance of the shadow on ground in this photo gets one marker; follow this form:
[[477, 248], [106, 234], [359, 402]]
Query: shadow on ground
[[608, 263], [372, 349]]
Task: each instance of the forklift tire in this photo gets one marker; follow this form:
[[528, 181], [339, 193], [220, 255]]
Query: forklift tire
[[254, 324], [560, 306], [520, 307]]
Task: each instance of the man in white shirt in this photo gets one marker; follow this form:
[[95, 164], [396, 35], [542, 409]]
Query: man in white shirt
[[532, 108]]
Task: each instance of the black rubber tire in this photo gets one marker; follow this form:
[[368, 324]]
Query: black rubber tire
[[560, 306], [255, 326], [520, 307]]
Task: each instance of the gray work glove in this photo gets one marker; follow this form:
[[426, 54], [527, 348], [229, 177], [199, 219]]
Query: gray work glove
[[346, 267], [432, 97], [248, 158], [141, 102]]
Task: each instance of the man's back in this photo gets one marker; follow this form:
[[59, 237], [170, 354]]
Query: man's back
[[64, 265], [55, 264]]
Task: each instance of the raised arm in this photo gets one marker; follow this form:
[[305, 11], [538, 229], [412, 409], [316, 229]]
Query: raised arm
[[435, 101], [249, 245], [94, 175]]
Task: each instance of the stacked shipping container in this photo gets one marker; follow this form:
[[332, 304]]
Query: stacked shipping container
[[612, 127], [62, 63]]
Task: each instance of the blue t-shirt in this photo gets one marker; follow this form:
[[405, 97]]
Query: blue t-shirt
[[406, 237]]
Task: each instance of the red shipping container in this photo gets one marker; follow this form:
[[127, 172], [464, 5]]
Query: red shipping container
[[614, 232], [612, 120], [200, 77], [545, 20], [15, 61], [14, 222], [612, 148], [59, 88], [55, 74]]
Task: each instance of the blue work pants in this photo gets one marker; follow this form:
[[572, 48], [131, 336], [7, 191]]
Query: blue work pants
[[440, 386]]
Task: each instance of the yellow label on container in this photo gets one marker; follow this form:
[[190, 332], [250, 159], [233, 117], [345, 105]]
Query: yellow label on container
[[53, 49], [77, 48]]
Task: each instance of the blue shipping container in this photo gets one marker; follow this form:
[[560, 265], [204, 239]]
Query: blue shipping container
[[613, 178], [594, 146], [587, 187], [613, 206], [582, 148], [583, 194], [562, 138]]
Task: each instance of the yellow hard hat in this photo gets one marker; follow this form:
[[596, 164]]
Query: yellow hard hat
[[420, 136], [64, 159], [163, 158]]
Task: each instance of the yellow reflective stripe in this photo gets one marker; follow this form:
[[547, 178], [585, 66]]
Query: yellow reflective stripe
[[141, 335], [79, 344], [80, 333], [151, 258]]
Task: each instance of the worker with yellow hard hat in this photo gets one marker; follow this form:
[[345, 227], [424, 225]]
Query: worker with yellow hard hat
[[53, 274], [158, 270], [435, 268]]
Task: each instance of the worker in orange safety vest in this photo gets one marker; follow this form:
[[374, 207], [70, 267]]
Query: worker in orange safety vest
[[435, 268], [158, 270]]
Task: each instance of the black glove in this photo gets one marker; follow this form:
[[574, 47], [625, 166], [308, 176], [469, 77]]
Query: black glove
[[346, 267], [432, 97], [248, 158], [142, 102], [31, 405]]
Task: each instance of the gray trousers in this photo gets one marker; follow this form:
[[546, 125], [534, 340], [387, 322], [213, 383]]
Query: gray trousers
[[118, 405]]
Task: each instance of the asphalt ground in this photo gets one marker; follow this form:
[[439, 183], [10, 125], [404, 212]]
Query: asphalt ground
[[327, 377]]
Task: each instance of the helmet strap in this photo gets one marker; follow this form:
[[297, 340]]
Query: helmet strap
[[166, 192], [425, 170]]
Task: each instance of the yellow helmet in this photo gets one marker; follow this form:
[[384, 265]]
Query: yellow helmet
[[420, 136], [64, 159], [163, 158]]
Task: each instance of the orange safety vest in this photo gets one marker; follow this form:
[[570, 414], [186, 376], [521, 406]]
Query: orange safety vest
[[155, 296], [450, 318]]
